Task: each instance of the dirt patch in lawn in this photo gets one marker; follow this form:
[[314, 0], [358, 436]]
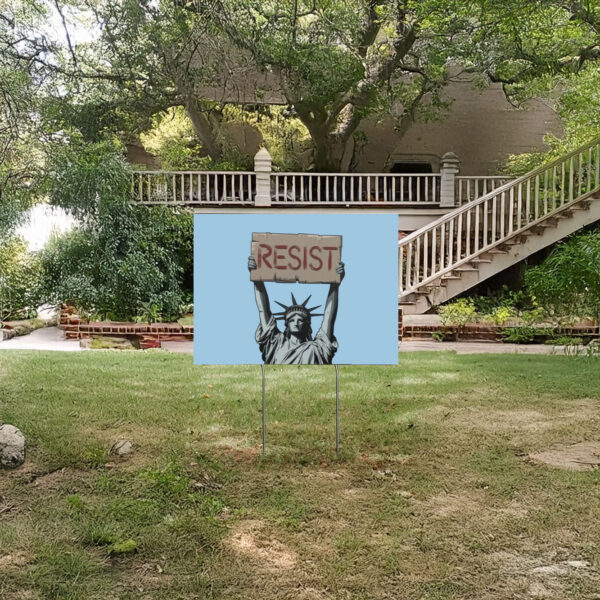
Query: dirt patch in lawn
[[584, 456], [546, 576], [464, 505], [14, 560], [249, 539]]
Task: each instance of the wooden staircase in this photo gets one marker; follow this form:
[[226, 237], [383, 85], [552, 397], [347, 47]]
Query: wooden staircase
[[497, 230]]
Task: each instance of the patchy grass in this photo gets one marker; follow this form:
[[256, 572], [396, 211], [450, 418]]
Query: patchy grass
[[438, 492]]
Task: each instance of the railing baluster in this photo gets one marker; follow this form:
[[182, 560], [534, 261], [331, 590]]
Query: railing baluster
[[443, 247], [459, 238], [401, 188], [494, 214], [571, 180], [425, 254], [468, 234], [418, 259], [579, 173], [519, 205], [451, 243], [588, 173], [433, 250], [485, 223], [597, 181], [476, 233], [409, 277]]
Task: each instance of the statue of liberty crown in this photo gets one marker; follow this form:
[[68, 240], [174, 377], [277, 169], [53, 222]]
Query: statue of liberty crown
[[295, 308]]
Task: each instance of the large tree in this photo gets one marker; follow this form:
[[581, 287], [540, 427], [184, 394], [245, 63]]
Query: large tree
[[332, 63], [22, 76], [339, 62]]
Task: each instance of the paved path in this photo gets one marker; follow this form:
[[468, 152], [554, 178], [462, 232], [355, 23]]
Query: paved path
[[51, 338], [46, 338]]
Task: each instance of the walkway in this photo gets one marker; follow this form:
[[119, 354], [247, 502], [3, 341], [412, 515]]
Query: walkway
[[46, 338], [51, 338]]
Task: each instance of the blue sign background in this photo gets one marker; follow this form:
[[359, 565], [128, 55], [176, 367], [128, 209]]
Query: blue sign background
[[225, 312]]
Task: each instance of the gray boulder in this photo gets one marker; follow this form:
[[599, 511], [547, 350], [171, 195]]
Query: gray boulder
[[12, 447]]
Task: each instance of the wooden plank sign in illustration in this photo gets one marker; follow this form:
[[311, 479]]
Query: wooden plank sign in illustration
[[299, 257]]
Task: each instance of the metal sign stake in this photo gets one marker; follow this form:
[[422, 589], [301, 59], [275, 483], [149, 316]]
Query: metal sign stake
[[264, 427], [337, 410]]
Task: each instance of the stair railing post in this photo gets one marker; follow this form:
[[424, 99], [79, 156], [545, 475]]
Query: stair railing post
[[262, 168], [449, 169]]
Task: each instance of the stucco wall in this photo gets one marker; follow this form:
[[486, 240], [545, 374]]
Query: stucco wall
[[482, 128]]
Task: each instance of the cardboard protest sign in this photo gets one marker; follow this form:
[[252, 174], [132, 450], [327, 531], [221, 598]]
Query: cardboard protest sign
[[302, 258]]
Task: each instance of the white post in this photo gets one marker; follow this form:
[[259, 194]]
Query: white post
[[262, 168], [449, 169]]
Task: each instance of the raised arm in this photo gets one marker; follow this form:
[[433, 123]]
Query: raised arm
[[262, 298], [331, 305]]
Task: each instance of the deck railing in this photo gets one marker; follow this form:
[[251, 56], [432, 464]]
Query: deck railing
[[265, 187], [194, 187], [459, 236], [354, 188], [469, 188]]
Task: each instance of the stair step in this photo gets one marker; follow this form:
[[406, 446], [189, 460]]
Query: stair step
[[582, 205], [406, 303], [550, 222], [446, 277], [466, 269], [565, 214], [435, 286], [477, 261], [497, 251]]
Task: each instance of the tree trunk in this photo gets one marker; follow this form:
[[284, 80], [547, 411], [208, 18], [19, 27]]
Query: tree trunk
[[203, 129], [327, 158]]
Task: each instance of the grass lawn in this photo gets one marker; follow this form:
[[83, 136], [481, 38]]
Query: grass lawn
[[432, 497]]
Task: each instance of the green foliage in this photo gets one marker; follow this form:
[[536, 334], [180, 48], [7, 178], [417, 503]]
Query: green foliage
[[122, 258], [19, 272], [567, 281], [501, 314], [503, 297], [457, 314], [524, 334], [91, 181]]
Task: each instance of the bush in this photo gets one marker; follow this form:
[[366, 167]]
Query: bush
[[121, 259], [567, 281], [457, 314], [19, 272]]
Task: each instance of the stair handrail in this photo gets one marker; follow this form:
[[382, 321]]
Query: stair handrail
[[503, 188], [426, 258]]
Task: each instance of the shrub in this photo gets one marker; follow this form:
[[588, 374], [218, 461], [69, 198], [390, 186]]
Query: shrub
[[457, 314], [121, 259], [19, 272], [567, 281]]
